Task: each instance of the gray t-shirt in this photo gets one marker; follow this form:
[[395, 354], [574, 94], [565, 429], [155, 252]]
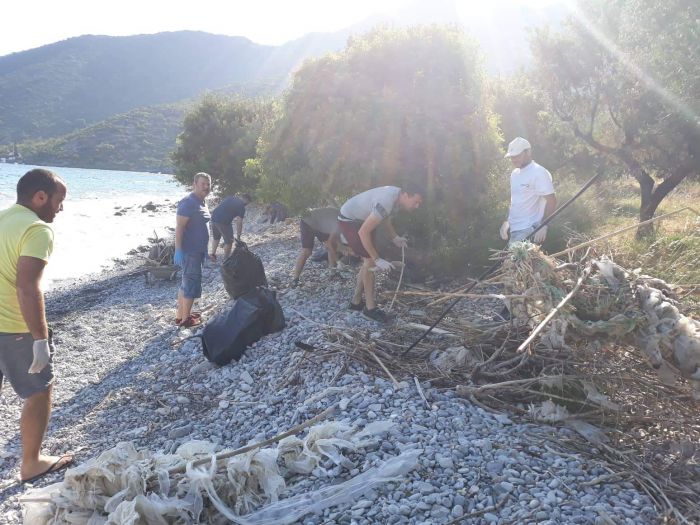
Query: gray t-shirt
[[323, 220], [378, 201]]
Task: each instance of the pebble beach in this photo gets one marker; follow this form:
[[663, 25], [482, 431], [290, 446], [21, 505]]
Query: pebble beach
[[125, 372]]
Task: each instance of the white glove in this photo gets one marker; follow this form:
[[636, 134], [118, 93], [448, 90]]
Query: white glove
[[400, 242], [541, 235], [41, 356], [383, 264], [504, 230]]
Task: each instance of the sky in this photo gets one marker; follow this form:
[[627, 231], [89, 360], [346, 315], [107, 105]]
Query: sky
[[31, 23]]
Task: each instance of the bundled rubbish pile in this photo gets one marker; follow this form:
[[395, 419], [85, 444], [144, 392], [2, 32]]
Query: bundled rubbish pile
[[126, 486], [611, 353]]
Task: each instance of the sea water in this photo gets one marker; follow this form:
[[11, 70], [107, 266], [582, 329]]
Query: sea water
[[88, 234]]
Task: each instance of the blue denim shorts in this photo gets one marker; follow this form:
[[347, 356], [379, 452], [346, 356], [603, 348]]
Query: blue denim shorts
[[520, 235], [191, 285]]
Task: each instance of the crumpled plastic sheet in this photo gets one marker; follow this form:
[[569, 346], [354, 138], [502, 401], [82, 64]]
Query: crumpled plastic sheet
[[290, 510]]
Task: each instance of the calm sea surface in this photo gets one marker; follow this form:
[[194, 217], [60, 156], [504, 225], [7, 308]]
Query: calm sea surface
[[87, 233]]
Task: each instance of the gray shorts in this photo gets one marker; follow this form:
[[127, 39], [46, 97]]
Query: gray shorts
[[16, 356], [222, 230]]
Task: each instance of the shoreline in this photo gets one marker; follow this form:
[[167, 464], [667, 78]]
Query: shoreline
[[124, 373]]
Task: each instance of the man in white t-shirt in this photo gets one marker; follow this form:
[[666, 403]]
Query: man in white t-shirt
[[532, 196], [358, 221]]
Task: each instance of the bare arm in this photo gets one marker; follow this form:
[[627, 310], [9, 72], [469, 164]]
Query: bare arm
[[31, 300], [551, 205], [365, 234], [239, 226], [390, 227], [180, 230]]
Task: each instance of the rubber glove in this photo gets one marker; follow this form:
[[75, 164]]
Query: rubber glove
[[42, 353], [541, 235], [504, 230], [383, 264], [179, 258], [400, 242]]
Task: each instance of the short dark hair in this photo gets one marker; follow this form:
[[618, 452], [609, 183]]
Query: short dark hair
[[247, 197], [413, 188], [36, 180]]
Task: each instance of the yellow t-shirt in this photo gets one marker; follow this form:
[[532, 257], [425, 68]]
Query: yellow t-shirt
[[22, 233]]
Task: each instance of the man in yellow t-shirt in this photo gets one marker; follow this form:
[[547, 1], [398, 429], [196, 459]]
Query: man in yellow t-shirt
[[26, 351]]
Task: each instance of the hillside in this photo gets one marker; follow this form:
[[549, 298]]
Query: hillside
[[62, 87], [139, 140]]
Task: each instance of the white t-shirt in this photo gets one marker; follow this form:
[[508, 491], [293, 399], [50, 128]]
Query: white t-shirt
[[528, 186], [378, 201]]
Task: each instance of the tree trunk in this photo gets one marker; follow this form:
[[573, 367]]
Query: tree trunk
[[647, 206], [651, 197]]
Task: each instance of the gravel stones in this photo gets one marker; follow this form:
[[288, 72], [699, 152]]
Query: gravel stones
[[158, 393]]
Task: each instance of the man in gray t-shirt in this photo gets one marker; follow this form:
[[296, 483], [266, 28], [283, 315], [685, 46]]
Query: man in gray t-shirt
[[358, 220], [321, 224]]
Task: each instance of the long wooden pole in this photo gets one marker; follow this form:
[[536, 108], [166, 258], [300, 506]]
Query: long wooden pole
[[621, 230]]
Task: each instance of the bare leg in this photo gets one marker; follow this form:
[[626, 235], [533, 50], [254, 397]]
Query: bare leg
[[32, 425], [184, 306], [304, 254], [368, 281], [227, 250], [359, 286], [332, 254]]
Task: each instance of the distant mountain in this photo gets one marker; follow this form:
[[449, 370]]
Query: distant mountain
[[68, 85], [60, 100]]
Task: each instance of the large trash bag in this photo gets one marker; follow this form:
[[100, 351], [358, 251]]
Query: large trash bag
[[253, 315], [242, 271]]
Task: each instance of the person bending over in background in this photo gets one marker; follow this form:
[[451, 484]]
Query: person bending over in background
[[229, 210], [275, 212], [358, 220], [532, 196], [26, 349], [321, 224], [191, 240]]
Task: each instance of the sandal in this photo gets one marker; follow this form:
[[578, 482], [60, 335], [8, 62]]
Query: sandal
[[191, 321], [196, 315], [64, 461]]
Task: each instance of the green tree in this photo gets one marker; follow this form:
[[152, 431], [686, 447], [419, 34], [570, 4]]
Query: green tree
[[395, 105], [219, 135], [624, 76]]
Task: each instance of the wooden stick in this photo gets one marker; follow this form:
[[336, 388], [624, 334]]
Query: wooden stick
[[393, 379], [556, 310], [622, 230], [328, 412], [398, 285], [420, 391], [472, 295]]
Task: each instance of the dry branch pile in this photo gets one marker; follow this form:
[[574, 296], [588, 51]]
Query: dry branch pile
[[612, 349]]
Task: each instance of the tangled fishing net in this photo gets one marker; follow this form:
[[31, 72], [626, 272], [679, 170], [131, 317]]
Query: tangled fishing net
[[126, 486], [610, 353]]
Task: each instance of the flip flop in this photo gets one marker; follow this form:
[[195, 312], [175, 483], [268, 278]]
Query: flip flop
[[56, 467]]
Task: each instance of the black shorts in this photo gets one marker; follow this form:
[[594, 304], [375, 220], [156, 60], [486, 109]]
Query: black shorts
[[222, 230], [308, 234]]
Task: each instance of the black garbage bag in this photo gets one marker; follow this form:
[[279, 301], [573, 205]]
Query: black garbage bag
[[242, 271], [253, 315]]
